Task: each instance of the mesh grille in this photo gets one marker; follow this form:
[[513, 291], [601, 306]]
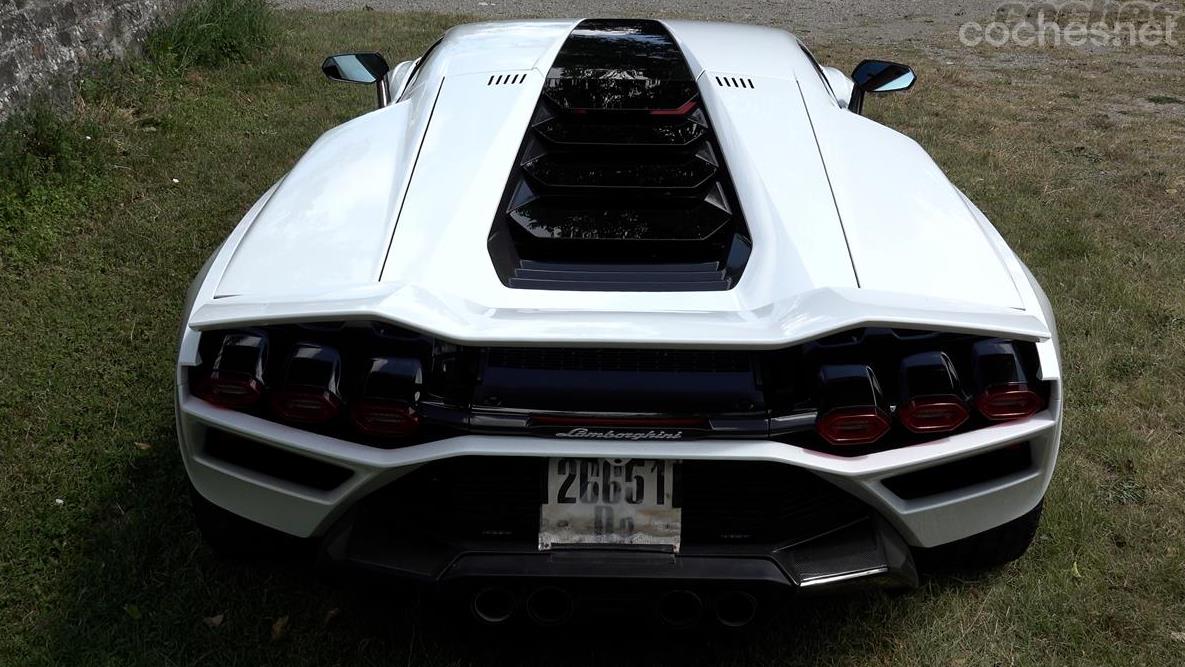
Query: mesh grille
[[633, 360]]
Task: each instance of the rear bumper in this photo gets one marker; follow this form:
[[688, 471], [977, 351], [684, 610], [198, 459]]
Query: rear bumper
[[865, 552], [305, 510]]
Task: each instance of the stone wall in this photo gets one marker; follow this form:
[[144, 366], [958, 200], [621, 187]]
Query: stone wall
[[43, 43]]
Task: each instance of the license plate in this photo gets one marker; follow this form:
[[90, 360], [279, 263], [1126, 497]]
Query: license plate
[[609, 501]]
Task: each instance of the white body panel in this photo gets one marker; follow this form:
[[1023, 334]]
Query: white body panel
[[907, 226], [387, 218], [339, 224]]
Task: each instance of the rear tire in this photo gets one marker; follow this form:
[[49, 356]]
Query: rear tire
[[986, 550], [231, 536]]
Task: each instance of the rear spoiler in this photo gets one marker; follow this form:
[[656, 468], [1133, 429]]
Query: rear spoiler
[[813, 314]]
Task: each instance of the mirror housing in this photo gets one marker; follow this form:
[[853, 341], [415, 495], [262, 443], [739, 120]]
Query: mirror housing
[[840, 84], [360, 68], [879, 76], [400, 76]]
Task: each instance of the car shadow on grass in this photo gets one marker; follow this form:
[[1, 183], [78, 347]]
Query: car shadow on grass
[[144, 589]]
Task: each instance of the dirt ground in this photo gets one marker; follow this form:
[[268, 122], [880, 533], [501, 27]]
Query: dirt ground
[[876, 21]]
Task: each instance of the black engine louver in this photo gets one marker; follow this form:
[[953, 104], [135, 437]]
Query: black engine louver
[[620, 184]]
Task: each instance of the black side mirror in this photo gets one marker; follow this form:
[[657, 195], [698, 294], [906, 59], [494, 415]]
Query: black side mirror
[[879, 76], [360, 68]]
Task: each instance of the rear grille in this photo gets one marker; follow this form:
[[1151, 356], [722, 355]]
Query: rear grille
[[473, 499], [620, 185], [631, 360]]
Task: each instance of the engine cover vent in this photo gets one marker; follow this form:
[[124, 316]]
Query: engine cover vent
[[506, 79], [734, 82], [620, 184]]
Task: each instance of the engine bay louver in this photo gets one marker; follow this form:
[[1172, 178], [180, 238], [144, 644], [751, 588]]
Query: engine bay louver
[[734, 82], [620, 184], [506, 79]]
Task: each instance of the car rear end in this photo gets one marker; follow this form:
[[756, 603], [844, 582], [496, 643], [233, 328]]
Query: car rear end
[[625, 372], [726, 474]]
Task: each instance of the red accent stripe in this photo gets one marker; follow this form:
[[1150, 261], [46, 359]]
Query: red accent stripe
[[681, 110]]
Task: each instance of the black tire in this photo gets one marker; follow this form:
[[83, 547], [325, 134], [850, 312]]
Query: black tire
[[231, 536], [986, 550]]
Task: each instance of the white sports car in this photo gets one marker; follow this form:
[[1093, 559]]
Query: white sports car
[[619, 310]]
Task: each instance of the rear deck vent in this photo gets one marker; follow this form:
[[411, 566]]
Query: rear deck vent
[[506, 79], [962, 473], [273, 461], [734, 82], [620, 184]]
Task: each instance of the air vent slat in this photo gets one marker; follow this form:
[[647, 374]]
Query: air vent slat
[[699, 267], [734, 82], [505, 79], [658, 276], [623, 286], [566, 171], [650, 134], [622, 277], [574, 219]]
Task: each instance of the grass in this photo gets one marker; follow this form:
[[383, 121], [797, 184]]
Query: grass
[[47, 166], [99, 559], [213, 32]]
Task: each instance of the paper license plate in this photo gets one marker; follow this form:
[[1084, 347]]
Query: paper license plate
[[609, 501]]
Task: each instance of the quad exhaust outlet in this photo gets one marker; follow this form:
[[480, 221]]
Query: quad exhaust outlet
[[494, 605], [736, 609], [550, 606], [680, 608]]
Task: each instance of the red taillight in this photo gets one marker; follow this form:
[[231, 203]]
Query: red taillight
[[235, 379], [931, 394], [309, 393], [933, 414], [379, 417], [1008, 401], [1004, 388], [853, 426], [230, 389], [852, 408], [387, 406], [305, 405]]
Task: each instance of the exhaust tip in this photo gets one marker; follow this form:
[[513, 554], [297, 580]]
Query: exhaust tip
[[493, 605], [680, 608], [550, 605], [736, 609]]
